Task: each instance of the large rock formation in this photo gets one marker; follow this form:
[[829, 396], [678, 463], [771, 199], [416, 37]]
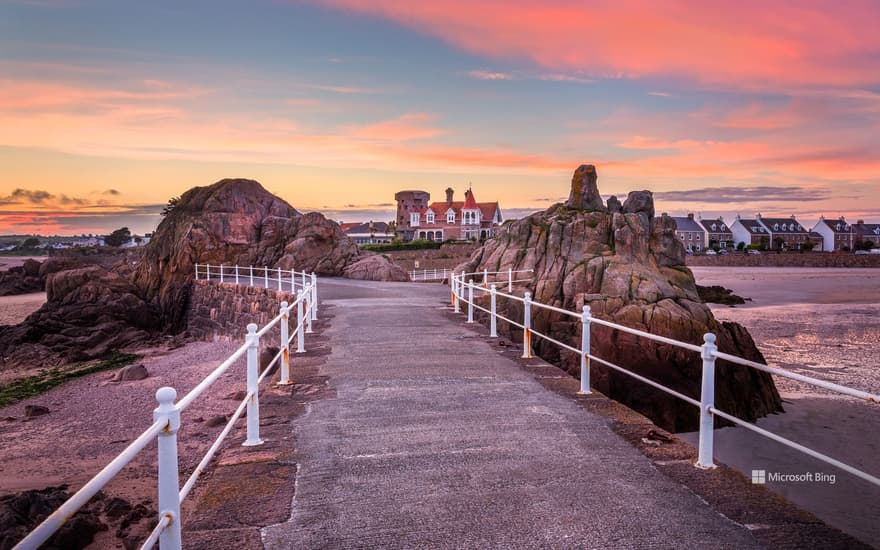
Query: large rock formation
[[89, 312], [94, 308], [238, 222], [21, 279], [628, 266]]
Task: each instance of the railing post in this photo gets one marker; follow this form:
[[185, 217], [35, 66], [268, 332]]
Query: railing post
[[585, 351], [252, 275], [292, 281], [221, 273], [314, 297], [197, 272], [169, 482], [485, 277], [304, 278], [457, 292], [707, 401], [300, 337], [236, 273], [285, 345], [266, 276], [470, 300], [253, 376], [307, 293], [493, 323], [452, 292], [527, 324], [279, 279], [510, 279]]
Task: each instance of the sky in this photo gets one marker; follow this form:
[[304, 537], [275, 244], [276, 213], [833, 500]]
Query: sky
[[110, 108]]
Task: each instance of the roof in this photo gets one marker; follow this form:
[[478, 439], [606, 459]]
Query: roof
[[815, 236], [720, 225], [469, 202], [872, 229], [487, 209], [784, 225], [752, 226], [837, 226], [687, 224], [364, 227]]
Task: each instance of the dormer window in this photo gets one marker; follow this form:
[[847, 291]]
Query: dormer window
[[723, 227], [837, 227], [776, 227], [713, 227], [429, 217], [450, 216]]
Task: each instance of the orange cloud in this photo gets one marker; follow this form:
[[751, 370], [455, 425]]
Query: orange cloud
[[747, 44], [403, 128]]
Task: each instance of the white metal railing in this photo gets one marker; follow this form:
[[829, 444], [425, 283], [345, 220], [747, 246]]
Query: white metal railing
[[267, 277], [166, 423], [463, 292], [429, 274]]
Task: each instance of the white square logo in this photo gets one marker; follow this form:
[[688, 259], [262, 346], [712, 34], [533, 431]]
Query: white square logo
[[759, 477]]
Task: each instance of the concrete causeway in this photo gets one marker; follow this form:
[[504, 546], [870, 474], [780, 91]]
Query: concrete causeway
[[435, 440]]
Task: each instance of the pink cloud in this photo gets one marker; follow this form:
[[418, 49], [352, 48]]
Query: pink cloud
[[747, 44]]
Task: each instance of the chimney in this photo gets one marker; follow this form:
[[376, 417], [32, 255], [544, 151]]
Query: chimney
[[449, 193], [860, 222], [758, 216], [690, 215]]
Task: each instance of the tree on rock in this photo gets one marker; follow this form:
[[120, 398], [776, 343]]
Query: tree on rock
[[118, 237]]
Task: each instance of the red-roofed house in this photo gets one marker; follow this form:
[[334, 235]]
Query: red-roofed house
[[445, 220]]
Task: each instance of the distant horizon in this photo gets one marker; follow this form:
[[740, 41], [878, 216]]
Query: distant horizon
[[336, 104]]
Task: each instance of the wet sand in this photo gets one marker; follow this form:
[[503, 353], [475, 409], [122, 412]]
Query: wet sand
[[15, 309], [823, 323]]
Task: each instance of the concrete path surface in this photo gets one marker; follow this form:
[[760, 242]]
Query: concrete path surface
[[434, 440]]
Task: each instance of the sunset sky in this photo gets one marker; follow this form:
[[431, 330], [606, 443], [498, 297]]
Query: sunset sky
[[109, 108]]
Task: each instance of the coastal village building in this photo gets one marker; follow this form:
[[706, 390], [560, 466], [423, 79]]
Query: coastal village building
[[445, 220], [717, 232], [836, 234], [691, 233], [368, 232], [867, 232], [839, 235], [773, 233]]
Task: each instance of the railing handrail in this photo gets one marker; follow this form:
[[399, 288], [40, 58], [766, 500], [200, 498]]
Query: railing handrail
[[708, 351], [167, 419]]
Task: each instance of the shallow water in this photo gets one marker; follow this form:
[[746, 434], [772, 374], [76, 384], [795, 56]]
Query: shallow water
[[823, 323]]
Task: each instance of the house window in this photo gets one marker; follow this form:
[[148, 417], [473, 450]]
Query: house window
[[429, 217], [682, 236], [450, 217], [414, 219]]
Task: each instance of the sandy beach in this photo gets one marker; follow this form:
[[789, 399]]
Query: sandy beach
[[823, 323], [15, 309]]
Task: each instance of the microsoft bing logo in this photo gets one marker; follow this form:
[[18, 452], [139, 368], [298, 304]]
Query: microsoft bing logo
[[759, 477]]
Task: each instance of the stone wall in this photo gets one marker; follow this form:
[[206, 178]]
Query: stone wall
[[786, 259], [446, 257], [223, 311]]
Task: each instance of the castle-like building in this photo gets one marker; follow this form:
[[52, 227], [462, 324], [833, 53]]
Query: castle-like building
[[417, 218]]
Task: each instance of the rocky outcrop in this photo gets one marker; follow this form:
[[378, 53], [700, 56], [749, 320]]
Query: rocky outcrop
[[21, 279], [90, 312], [235, 221], [101, 302], [375, 268], [629, 267], [584, 189]]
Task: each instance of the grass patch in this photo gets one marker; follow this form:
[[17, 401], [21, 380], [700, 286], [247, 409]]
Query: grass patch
[[40, 383]]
